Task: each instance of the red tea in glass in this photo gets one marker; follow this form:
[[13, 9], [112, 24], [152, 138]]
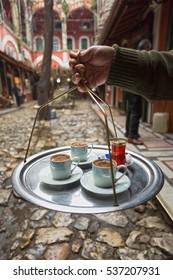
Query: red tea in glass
[[118, 150]]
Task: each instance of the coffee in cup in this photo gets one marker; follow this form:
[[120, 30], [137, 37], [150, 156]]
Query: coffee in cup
[[60, 166], [101, 169], [81, 150], [60, 158]]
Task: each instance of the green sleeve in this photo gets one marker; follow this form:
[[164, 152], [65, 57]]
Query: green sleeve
[[149, 74]]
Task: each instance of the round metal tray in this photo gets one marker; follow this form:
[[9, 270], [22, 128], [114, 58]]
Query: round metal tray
[[146, 181]]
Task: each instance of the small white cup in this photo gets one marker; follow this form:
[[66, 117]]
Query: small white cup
[[81, 150], [60, 166], [102, 172]]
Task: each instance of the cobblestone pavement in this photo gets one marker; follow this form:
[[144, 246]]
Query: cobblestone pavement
[[32, 232]]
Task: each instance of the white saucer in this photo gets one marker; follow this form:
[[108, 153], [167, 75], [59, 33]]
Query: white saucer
[[87, 183], [46, 177], [90, 159], [129, 160]]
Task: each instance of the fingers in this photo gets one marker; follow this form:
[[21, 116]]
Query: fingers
[[73, 55], [81, 87], [76, 78], [80, 56], [77, 68], [72, 62], [78, 71], [74, 59], [80, 68], [79, 81]]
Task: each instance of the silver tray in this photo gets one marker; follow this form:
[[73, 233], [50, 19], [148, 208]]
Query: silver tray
[[146, 181]]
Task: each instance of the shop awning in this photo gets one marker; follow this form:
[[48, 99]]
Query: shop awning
[[5, 57], [125, 16]]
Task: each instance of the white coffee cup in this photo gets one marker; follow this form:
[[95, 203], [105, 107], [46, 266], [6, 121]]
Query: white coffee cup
[[81, 150], [60, 166], [101, 169]]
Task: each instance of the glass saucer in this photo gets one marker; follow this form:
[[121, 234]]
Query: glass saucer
[[46, 177], [87, 183]]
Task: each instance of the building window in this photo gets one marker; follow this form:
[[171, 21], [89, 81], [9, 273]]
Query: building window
[[57, 25], [70, 43], [84, 43], [6, 9], [86, 25], [39, 44], [56, 44]]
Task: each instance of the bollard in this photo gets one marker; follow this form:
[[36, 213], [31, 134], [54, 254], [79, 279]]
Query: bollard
[[53, 113], [160, 122]]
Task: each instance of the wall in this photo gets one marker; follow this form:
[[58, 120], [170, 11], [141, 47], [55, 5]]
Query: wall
[[165, 106]]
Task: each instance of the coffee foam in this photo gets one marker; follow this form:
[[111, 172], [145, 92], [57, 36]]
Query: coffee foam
[[59, 158], [78, 144], [103, 163]]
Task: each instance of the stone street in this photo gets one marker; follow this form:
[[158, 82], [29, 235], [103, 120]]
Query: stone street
[[31, 232]]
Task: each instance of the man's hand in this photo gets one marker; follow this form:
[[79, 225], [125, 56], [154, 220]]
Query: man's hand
[[91, 66]]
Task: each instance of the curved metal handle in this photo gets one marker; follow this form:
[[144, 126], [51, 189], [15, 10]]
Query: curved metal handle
[[38, 111], [93, 95]]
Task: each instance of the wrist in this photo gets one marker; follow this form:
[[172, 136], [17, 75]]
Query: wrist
[[124, 67]]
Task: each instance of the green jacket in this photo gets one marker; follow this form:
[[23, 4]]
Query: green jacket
[[149, 74]]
